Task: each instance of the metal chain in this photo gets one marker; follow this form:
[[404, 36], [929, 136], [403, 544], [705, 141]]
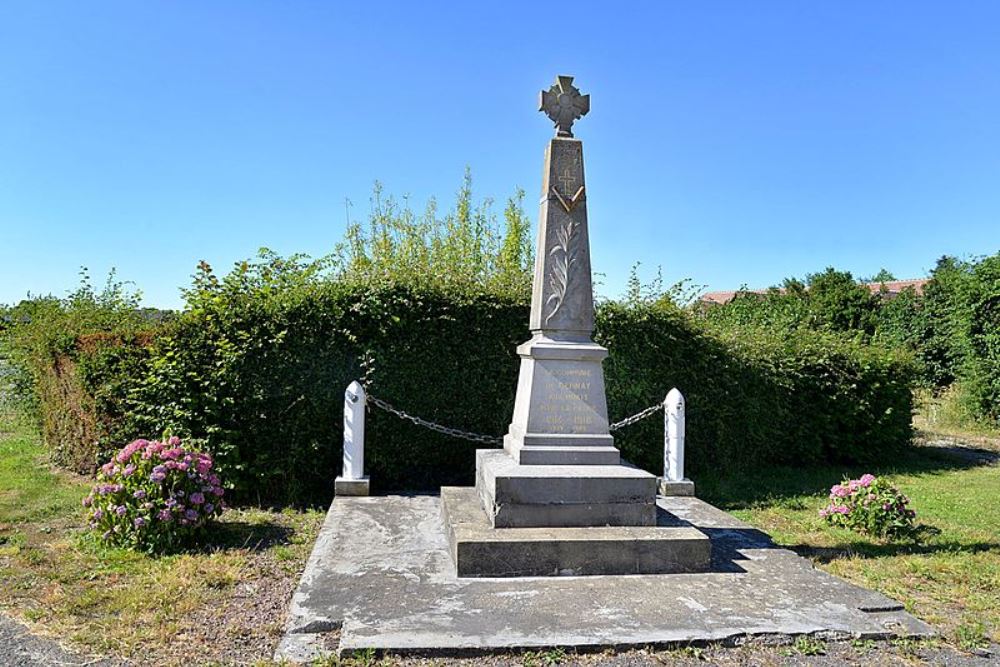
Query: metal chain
[[454, 432], [489, 439], [639, 416]]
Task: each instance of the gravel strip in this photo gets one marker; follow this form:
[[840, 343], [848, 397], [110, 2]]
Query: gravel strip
[[19, 648]]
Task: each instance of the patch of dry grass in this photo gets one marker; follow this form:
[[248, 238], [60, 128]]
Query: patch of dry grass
[[224, 602]]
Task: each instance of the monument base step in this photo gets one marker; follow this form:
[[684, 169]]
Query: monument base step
[[563, 455], [478, 550], [560, 496]]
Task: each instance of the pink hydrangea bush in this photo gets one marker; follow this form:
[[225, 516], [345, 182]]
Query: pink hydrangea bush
[[153, 495], [869, 505]]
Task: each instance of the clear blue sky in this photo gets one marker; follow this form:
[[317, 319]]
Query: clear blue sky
[[730, 142]]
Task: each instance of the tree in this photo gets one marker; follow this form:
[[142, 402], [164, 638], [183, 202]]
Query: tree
[[946, 306], [883, 276], [840, 303]]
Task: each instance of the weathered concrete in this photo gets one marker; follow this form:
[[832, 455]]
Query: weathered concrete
[[481, 551], [352, 487], [522, 496], [381, 572], [666, 487]]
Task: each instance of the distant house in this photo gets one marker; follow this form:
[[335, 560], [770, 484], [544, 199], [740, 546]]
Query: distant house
[[888, 290], [892, 288]]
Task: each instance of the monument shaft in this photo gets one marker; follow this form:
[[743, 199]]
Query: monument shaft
[[562, 300]]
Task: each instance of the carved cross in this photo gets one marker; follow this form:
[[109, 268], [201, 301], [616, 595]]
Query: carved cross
[[564, 104]]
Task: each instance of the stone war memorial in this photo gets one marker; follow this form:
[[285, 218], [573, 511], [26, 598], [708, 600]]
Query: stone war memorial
[[560, 543]]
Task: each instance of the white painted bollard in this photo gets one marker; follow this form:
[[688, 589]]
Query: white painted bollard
[[673, 429], [673, 482], [353, 481]]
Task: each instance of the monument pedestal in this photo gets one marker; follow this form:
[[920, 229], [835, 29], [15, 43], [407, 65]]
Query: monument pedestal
[[479, 550], [560, 411], [514, 495]]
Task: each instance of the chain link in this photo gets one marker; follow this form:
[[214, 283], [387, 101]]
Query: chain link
[[489, 439], [639, 416], [454, 432]]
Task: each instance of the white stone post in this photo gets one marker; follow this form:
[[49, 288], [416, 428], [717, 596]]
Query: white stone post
[[353, 481], [673, 431], [673, 482]]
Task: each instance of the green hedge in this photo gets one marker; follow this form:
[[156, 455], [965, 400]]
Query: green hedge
[[256, 371], [983, 364]]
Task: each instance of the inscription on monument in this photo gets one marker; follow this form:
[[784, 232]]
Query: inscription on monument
[[564, 400]]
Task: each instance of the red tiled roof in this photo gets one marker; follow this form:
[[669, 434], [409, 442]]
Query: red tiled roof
[[897, 286], [890, 288]]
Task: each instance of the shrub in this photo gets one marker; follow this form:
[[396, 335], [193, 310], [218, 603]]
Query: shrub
[[154, 495], [869, 505], [754, 396]]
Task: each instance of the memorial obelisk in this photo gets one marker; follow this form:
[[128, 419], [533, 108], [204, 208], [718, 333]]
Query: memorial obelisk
[[557, 499], [560, 466]]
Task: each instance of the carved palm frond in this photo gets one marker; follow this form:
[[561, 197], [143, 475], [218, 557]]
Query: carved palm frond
[[564, 257]]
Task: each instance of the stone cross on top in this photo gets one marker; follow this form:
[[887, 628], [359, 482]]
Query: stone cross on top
[[563, 103]]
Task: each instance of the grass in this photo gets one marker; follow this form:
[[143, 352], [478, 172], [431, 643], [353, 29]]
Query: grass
[[949, 576], [111, 601]]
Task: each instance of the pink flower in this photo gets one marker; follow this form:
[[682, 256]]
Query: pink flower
[[866, 479], [174, 441], [839, 491]]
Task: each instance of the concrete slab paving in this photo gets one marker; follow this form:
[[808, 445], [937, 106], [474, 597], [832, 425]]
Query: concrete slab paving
[[381, 573]]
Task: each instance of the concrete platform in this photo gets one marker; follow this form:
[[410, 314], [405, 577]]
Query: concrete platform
[[381, 572], [525, 496], [478, 550]]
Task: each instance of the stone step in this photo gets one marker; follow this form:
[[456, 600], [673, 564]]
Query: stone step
[[517, 496], [478, 550], [564, 455]]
